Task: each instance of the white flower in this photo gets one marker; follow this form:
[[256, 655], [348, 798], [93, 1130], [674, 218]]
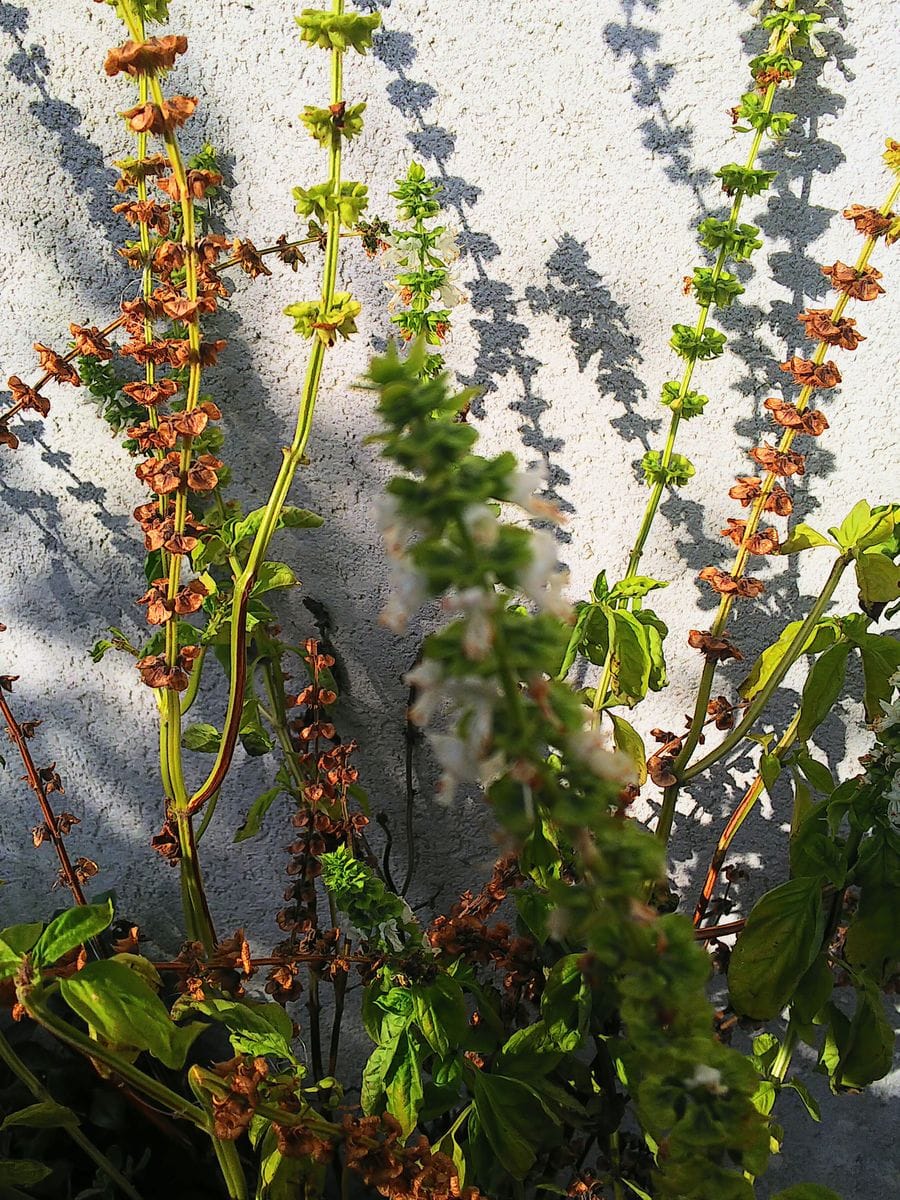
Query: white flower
[[407, 594], [522, 486], [491, 768], [709, 1078], [399, 251], [477, 607], [395, 529], [816, 46], [427, 679], [446, 247], [893, 812], [541, 581], [450, 295], [482, 525], [890, 719], [591, 747]]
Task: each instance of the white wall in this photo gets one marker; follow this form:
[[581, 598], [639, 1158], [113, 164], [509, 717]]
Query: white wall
[[577, 143]]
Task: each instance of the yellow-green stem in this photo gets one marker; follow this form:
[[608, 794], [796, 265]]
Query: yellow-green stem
[[293, 456]]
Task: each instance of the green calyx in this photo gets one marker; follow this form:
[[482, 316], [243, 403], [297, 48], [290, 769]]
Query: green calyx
[[678, 471], [694, 346], [715, 291], [738, 241], [319, 201], [311, 318], [691, 404], [753, 110], [333, 31], [322, 123], [747, 180]]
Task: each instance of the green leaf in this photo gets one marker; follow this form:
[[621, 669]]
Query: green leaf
[[204, 739], [770, 768], [629, 741], [566, 1003], [871, 944], [256, 1029], [867, 1053], [806, 1098], [46, 1115], [816, 772], [505, 1109], [254, 818], [254, 738], [804, 537], [878, 578], [776, 948], [630, 657], [813, 991], [636, 587], [403, 1083], [16, 941], [655, 631], [863, 527], [880, 655], [450, 1146], [439, 1011], [639, 1192], [125, 1011], [24, 1171], [289, 518], [272, 575], [823, 685], [20, 938], [69, 930], [819, 639]]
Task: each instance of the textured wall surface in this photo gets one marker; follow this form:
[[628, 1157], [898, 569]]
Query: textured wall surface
[[576, 142]]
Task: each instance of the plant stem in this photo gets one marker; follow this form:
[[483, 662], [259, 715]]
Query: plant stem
[[791, 654], [656, 493], [736, 820], [226, 1151], [42, 1096], [97, 1052], [757, 508], [292, 458], [753, 710], [783, 1058], [67, 871]]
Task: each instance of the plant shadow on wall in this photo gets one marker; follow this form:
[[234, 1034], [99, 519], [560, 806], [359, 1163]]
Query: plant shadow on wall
[[501, 334], [573, 1044]]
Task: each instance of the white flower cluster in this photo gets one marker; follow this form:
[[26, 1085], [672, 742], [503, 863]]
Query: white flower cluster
[[403, 253], [464, 756]]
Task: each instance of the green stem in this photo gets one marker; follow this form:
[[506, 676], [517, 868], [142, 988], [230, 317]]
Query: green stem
[[226, 1151], [783, 1057], [293, 456], [97, 1052], [736, 820], [659, 487], [42, 1096], [790, 656]]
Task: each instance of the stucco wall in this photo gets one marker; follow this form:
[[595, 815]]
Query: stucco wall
[[576, 142]]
